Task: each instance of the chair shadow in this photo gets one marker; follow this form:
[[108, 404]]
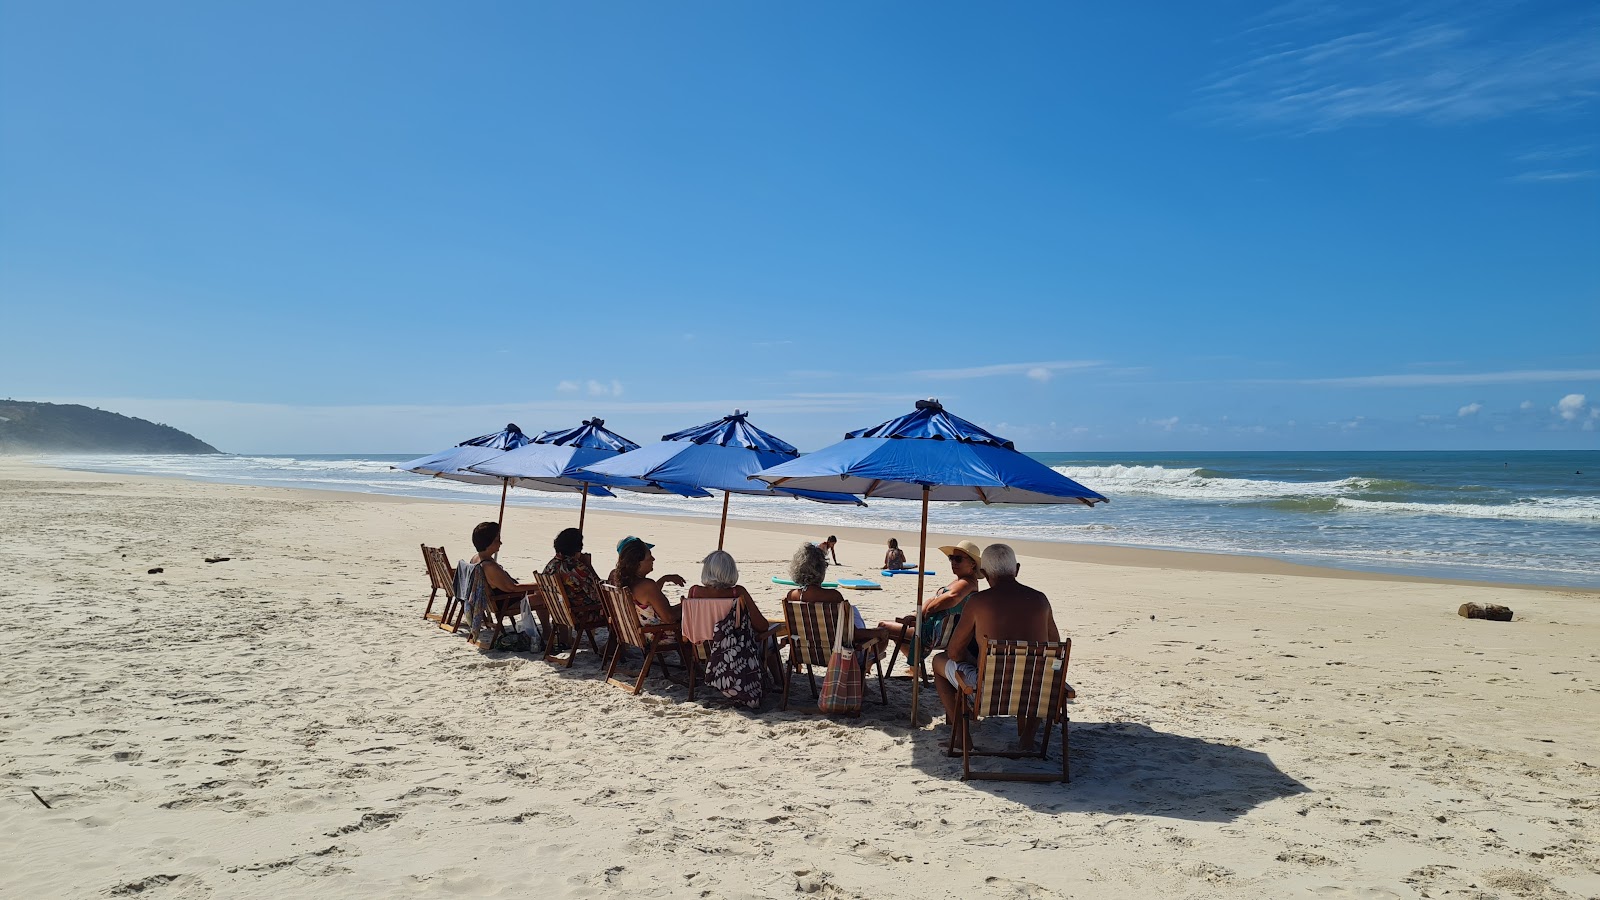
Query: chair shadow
[[1123, 768]]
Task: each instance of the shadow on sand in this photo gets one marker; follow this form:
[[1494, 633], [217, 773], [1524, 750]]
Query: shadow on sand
[[1124, 768]]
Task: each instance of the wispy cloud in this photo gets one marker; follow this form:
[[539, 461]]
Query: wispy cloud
[[605, 389], [1038, 371], [1471, 409], [1440, 379], [1549, 175], [1322, 66]]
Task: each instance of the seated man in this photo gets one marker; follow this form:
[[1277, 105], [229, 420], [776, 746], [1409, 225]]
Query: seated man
[[1006, 611], [505, 594]]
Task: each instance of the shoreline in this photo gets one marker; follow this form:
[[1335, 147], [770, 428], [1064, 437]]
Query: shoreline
[[1107, 554]]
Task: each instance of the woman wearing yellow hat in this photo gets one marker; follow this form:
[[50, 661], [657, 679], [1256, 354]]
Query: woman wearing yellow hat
[[946, 604]]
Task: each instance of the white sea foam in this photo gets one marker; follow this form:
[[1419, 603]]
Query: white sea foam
[[1565, 509], [1190, 484]]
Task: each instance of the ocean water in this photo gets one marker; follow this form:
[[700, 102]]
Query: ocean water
[[1519, 516]]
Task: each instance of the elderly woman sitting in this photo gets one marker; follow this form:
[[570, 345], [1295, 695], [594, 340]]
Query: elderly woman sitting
[[719, 580], [807, 570]]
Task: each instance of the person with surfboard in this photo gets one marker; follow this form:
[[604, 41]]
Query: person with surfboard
[[945, 604]]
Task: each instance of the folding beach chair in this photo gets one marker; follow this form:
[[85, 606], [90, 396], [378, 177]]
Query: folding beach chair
[[700, 615], [1018, 678], [627, 631], [810, 641], [941, 640], [442, 576], [563, 620], [485, 622]]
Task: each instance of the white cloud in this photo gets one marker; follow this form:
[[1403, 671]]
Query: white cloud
[[1471, 409], [1527, 404], [567, 387], [1166, 424], [601, 389], [1555, 175], [1439, 379], [1572, 407], [1436, 62], [1038, 371]]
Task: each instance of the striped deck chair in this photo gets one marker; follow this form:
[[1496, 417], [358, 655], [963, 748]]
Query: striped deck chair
[[810, 643], [442, 576], [941, 640], [1018, 678], [562, 619], [627, 631]]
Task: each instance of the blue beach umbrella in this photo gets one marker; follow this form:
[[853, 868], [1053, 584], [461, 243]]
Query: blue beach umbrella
[[452, 463], [929, 454], [716, 456], [554, 461]]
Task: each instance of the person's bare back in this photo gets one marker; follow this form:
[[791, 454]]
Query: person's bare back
[[1009, 611]]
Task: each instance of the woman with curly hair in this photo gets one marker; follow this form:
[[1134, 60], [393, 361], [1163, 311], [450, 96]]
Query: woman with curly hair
[[635, 562]]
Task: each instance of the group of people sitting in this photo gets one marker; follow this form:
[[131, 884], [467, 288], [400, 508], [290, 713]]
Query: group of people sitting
[[1005, 610]]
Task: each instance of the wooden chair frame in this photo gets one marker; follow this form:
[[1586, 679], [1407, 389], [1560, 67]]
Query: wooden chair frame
[[627, 631], [562, 617], [1017, 677], [947, 628], [810, 643], [442, 576]]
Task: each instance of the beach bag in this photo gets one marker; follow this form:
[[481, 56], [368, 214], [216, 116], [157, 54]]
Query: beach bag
[[842, 686], [733, 659], [528, 624], [513, 642]]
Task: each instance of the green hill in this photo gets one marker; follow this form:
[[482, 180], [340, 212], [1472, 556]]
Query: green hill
[[68, 428]]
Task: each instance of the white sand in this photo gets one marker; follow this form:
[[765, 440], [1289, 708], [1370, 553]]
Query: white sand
[[284, 724]]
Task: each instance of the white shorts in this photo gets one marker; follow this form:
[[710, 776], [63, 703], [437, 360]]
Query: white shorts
[[967, 671]]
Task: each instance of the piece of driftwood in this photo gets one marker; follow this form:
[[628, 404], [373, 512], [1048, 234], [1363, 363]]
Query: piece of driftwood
[[1494, 612]]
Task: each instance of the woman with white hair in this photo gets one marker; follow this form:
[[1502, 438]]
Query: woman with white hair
[[719, 578]]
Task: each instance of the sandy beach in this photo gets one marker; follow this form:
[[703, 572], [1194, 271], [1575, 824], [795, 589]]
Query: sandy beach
[[284, 723]]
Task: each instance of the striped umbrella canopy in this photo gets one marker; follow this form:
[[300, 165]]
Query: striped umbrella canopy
[[555, 461], [716, 456]]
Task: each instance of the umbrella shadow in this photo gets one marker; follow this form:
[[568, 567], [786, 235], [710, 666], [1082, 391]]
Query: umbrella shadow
[[1124, 768]]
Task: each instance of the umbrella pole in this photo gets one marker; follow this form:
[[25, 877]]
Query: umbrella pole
[[505, 483], [916, 636], [724, 529], [583, 506]]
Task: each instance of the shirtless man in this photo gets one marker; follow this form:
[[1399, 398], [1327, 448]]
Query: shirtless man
[[1007, 611], [504, 591]]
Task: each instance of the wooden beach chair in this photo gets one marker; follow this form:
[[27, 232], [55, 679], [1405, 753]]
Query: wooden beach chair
[[810, 641], [563, 619], [941, 640], [698, 611], [627, 631], [1018, 678], [443, 578], [475, 601]]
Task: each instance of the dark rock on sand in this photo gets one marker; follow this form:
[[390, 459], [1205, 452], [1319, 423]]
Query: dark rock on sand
[[1491, 611]]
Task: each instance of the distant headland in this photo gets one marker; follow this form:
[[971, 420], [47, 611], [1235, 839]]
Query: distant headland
[[27, 427]]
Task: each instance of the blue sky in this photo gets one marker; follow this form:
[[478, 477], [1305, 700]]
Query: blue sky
[[386, 227]]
